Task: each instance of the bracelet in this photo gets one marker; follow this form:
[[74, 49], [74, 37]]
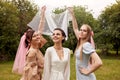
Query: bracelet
[[42, 21]]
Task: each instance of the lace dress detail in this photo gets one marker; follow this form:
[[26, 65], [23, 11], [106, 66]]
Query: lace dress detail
[[56, 68]]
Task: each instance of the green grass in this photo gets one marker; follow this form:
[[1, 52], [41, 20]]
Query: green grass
[[6, 71], [109, 71]]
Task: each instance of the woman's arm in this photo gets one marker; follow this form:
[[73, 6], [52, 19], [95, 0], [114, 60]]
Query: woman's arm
[[42, 19], [96, 63], [40, 59], [47, 65], [74, 22], [67, 69], [41, 26]]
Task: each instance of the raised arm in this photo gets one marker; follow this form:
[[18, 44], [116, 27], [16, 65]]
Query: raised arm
[[42, 19], [74, 22]]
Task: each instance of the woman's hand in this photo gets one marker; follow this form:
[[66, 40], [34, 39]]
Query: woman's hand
[[42, 19], [71, 10], [43, 9], [84, 71]]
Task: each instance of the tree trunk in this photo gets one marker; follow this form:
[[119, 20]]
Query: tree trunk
[[117, 51]]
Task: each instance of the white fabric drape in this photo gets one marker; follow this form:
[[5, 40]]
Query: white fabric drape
[[52, 21]]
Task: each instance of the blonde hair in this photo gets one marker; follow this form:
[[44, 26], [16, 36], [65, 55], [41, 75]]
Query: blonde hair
[[88, 38]]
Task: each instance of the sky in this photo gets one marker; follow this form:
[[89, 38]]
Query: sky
[[95, 5]]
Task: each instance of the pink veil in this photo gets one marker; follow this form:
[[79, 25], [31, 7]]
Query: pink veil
[[91, 39], [19, 62]]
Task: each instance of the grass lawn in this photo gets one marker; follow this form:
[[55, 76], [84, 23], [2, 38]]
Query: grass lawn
[[109, 71]]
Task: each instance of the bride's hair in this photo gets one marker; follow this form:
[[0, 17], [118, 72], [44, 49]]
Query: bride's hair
[[63, 33]]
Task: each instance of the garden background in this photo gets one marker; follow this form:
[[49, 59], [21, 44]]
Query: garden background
[[15, 14]]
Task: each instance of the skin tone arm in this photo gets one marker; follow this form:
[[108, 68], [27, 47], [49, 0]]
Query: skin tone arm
[[41, 26], [42, 19], [40, 59], [97, 62], [74, 22]]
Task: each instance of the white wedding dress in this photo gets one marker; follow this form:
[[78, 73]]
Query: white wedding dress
[[56, 68]]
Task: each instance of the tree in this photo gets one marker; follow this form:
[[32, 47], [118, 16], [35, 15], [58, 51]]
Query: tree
[[110, 26], [8, 29], [26, 11], [14, 16]]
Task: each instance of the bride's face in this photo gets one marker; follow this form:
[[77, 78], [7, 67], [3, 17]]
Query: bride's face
[[57, 36]]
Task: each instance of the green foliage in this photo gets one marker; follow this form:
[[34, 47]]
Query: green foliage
[[8, 28], [14, 16], [84, 17], [109, 30], [26, 11]]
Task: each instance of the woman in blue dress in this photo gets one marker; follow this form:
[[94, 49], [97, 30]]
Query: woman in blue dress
[[87, 60]]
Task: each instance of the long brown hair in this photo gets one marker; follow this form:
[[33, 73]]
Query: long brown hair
[[29, 35]]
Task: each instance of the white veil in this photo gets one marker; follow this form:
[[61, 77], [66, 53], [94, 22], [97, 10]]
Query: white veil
[[52, 21]]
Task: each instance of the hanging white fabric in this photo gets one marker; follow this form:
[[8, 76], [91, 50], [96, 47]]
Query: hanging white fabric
[[52, 21]]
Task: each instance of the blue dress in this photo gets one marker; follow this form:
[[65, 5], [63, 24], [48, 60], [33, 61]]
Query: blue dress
[[87, 49]]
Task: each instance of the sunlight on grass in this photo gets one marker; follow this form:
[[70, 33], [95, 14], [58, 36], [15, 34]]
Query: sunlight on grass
[[6, 72], [109, 70]]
